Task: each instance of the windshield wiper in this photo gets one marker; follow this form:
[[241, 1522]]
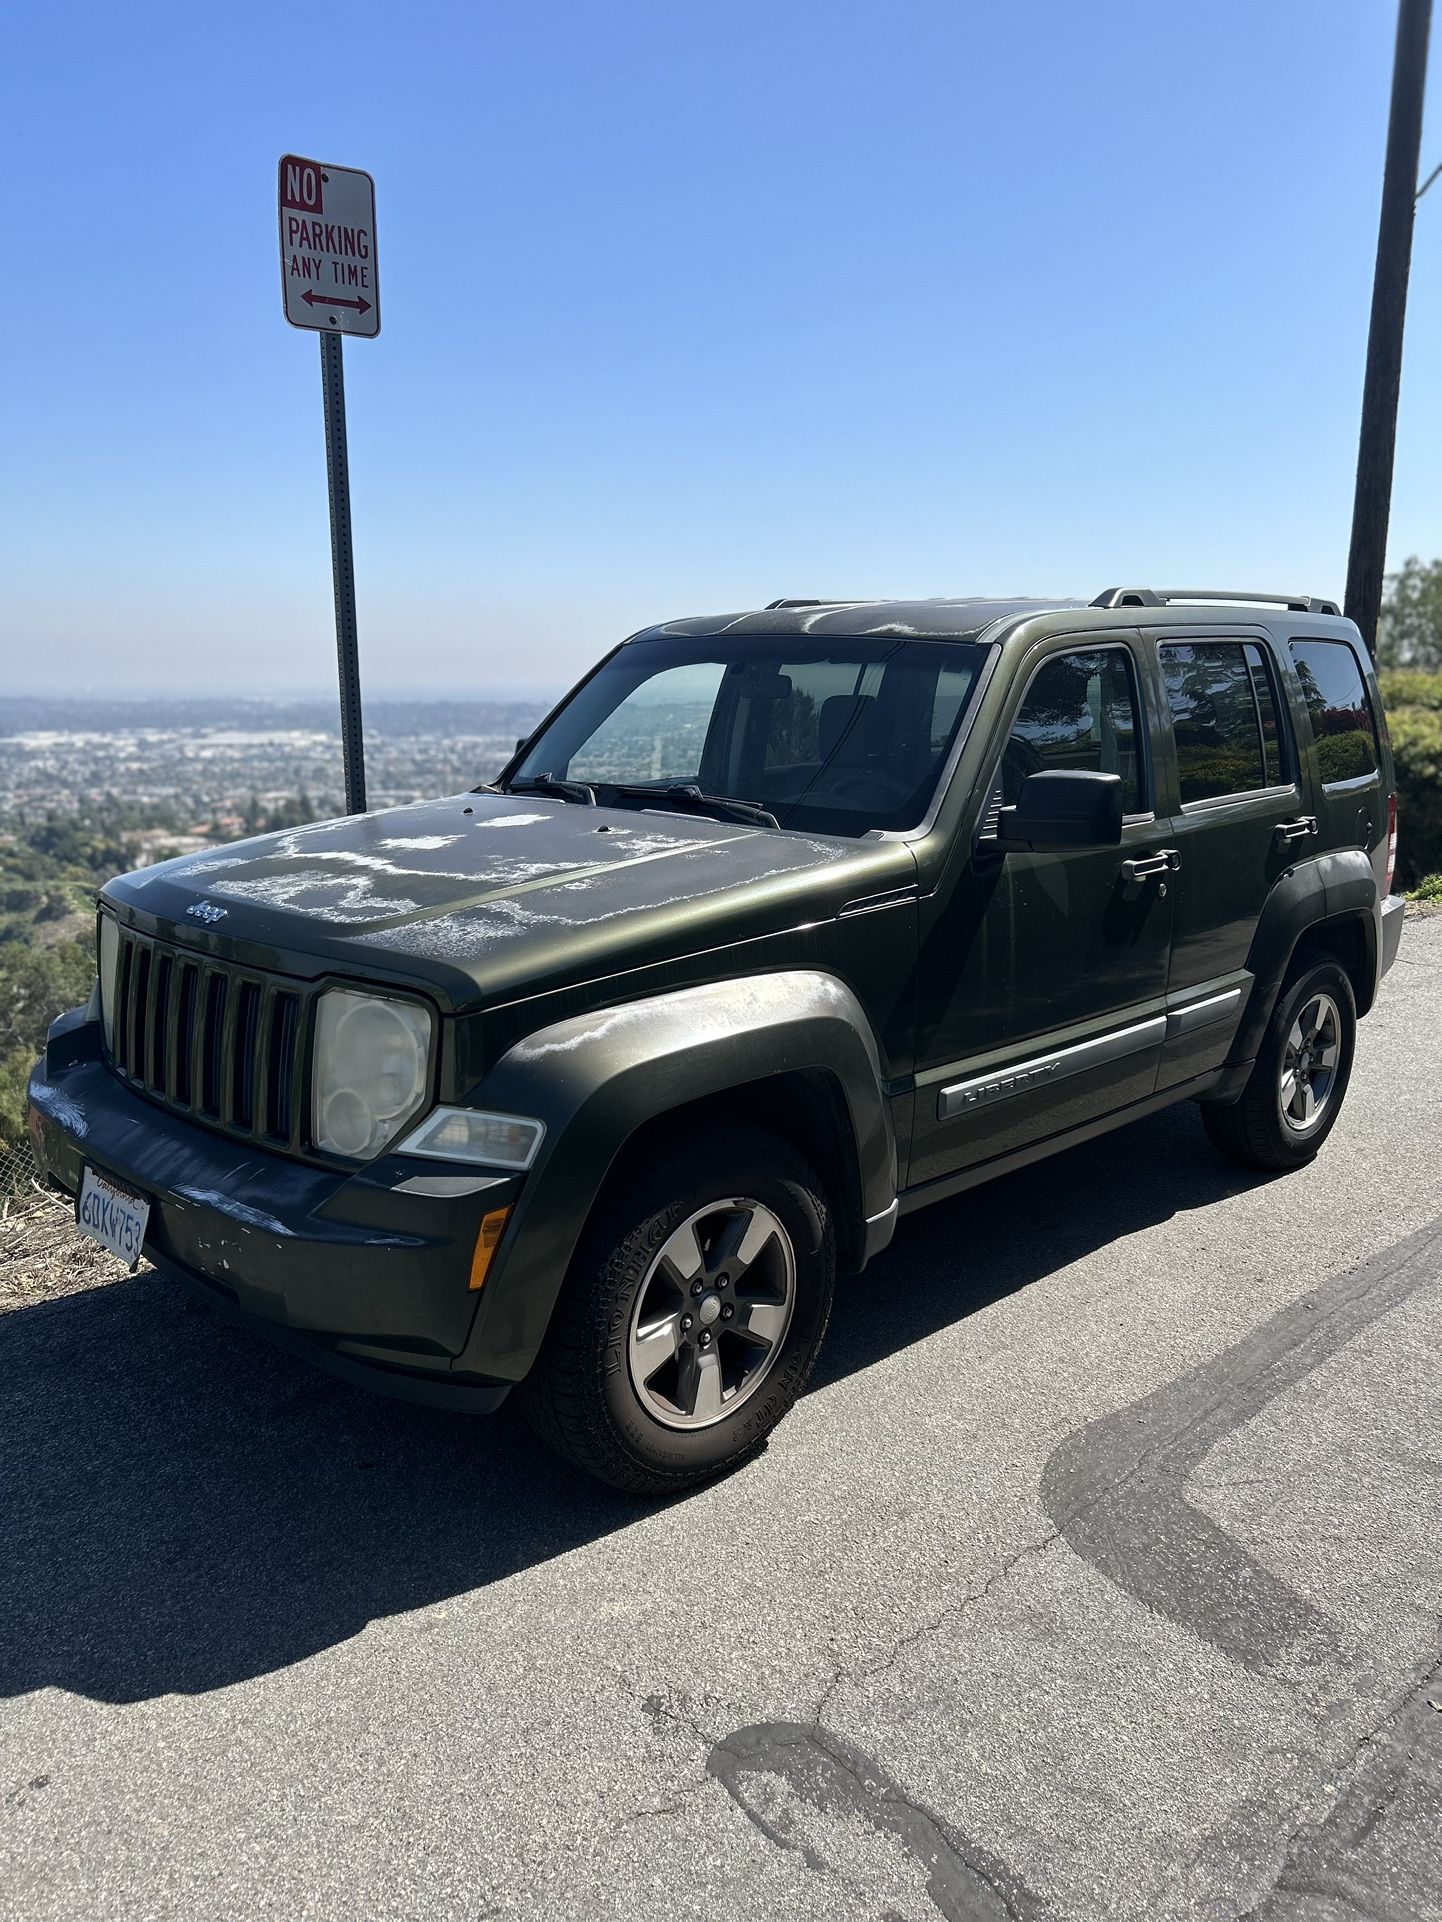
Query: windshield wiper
[[579, 791], [686, 794]]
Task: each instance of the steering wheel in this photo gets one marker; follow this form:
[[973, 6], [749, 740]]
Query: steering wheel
[[863, 786]]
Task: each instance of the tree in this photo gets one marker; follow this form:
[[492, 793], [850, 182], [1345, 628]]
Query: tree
[[1410, 631]]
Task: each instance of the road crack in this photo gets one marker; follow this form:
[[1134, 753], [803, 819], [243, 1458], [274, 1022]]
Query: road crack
[[952, 1612]]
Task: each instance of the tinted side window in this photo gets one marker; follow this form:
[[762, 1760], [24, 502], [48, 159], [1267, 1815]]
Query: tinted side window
[[1079, 712], [1336, 697], [1214, 718]]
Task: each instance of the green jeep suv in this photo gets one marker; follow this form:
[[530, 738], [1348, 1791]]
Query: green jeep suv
[[782, 925]]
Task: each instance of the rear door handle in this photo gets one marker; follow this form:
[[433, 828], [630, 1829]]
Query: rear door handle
[[1135, 872], [1297, 830]]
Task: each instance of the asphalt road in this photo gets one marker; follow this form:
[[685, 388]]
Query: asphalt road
[[1099, 1575]]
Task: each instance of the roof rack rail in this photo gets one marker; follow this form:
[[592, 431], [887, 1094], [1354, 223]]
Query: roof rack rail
[[771, 606], [1159, 597]]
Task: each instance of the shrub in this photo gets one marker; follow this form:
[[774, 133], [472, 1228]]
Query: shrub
[[1409, 687], [36, 984], [1417, 749]]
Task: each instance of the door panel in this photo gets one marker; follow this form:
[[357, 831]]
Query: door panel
[[1230, 858], [1200, 1027], [1026, 955]]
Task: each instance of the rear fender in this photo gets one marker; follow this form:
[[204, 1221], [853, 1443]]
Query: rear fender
[[1338, 887], [596, 1078]]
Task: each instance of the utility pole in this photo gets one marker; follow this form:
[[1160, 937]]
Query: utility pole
[[1372, 504]]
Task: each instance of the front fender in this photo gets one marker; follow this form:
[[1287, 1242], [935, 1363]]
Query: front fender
[[595, 1078]]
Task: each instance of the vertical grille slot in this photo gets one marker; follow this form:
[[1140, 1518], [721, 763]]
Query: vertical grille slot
[[121, 1026], [183, 1053], [212, 1031], [280, 1064], [139, 1007], [162, 967], [243, 1055]]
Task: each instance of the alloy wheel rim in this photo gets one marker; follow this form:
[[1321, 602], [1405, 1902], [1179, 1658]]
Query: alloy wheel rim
[[1310, 1060], [711, 1317]]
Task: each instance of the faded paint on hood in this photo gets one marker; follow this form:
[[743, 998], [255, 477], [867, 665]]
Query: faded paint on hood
[[502, 890]]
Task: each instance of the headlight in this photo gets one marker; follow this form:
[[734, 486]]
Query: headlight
[[109, 959], [371, 1072], [464, 1134]]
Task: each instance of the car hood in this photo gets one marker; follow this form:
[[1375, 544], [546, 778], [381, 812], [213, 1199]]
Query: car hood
[[501, 893]]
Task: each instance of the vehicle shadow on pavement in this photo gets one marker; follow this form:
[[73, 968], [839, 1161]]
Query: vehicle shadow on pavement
[[186, 1507], [950, 1260]]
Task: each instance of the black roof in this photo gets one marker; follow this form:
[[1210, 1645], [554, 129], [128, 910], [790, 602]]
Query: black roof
[[939, 619]]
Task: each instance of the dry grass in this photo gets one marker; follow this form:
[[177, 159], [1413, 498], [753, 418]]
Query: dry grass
[[42, 1255]]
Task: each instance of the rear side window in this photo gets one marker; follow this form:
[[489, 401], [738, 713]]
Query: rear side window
[[1079, 712], [1224, 717], [1342, 721]]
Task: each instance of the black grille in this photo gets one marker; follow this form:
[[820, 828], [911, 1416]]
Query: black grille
[[221, 1043]]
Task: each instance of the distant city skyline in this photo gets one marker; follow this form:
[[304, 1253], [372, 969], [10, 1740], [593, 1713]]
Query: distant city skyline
[[684, 309]]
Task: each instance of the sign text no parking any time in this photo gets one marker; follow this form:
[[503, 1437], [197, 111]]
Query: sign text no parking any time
[[328, 268]]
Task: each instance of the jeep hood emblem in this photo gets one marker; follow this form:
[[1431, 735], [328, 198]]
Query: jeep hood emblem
[[206, 911]]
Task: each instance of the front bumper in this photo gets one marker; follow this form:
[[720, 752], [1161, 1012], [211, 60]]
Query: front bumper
[[365, 1273]]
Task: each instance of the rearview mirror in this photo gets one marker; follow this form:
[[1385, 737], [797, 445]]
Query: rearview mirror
[[759, 681], [1066, 808]]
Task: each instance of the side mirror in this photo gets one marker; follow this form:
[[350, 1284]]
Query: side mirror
[[521, 740], [1066, 808]]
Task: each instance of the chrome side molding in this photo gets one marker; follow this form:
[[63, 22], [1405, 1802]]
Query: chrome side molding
[[1045, 1068], [1201, 1014]]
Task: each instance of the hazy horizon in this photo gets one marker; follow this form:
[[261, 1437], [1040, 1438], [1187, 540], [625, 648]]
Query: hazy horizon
[[498, 693]]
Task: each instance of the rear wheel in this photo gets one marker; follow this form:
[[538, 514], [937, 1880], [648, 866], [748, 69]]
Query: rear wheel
[[691, 1316], [1294, 1093]]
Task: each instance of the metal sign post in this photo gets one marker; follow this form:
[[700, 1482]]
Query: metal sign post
[[330, 284], [337, 469]]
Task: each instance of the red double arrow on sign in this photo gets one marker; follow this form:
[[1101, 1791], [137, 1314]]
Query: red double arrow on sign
[[330, 300]]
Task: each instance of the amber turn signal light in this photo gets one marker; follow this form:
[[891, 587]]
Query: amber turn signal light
[[493, 1226]]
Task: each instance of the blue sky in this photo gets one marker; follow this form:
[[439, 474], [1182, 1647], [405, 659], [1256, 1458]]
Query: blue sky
[[686, 306]]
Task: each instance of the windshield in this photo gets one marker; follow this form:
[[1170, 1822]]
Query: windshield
[[834, 735]]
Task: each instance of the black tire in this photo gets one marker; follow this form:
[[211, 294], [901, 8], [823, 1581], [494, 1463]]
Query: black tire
[[1253, 1130], [581, 1398]]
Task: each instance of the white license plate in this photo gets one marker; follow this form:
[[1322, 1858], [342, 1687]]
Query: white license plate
[[112, 1216]]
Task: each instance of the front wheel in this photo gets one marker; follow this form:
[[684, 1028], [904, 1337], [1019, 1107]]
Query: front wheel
[[691, 1316], [1294, 1093]]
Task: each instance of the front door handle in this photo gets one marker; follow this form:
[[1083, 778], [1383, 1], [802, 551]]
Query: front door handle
[[1297, 830], [1134, 873]]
